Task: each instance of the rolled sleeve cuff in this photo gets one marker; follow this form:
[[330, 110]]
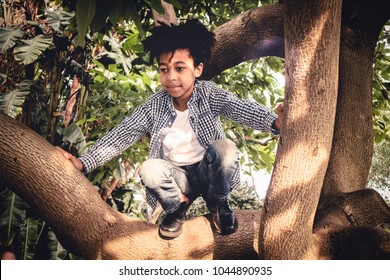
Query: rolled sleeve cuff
[[268, 124], [89, 162]]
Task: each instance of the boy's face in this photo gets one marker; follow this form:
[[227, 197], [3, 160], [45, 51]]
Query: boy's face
[[178, 73]]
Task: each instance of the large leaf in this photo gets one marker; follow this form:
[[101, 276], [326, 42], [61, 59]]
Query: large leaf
[[32, 49], [29, 237], [13, 216], [59, 19], [74, 135], [85, 12], [117, 53], [134, 15], [9, 36], [156, 5], [11, 103], [102, 12]]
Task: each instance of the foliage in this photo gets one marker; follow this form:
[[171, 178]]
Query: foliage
[[379, 178], [9, 37], [25, 233], [59, 19], [31, 49], [11, 102], [73, 136], [381, 87], [85, 12]]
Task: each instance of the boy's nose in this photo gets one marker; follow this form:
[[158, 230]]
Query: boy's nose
[[171, 75]]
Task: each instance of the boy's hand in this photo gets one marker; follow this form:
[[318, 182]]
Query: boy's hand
[[279, 120], [75, 161]]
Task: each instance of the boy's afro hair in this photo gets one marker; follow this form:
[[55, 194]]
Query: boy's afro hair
[[191, 35]]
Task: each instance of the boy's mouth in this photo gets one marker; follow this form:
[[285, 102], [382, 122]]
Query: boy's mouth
[[172, 86]]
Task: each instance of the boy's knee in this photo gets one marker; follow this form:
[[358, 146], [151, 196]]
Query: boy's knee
[[225, 149], [224, 145], [147, 165], [149, 171]]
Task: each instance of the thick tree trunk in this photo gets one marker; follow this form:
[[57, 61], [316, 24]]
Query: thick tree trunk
[[353, 141], [312, 52]]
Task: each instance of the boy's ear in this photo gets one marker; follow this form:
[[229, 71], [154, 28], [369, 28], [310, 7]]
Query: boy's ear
[[199, 70]]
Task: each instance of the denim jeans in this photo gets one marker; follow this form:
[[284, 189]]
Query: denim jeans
[[209, 178]]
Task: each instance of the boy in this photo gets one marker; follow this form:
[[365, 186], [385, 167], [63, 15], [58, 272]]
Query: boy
[[189, 154]]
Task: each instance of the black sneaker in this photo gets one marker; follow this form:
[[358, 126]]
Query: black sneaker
[[172, 225]]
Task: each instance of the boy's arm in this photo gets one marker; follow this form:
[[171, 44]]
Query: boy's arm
[[130, 130], [247, 112]]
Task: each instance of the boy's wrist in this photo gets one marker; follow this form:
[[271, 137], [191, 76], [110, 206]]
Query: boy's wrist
[[275, 127]]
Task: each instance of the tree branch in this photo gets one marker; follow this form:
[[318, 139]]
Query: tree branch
[[257, 141], [312, 43], [255, 33], [168, 18]]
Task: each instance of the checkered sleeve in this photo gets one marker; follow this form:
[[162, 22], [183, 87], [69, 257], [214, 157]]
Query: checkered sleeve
[[130, 130], [244, 111]]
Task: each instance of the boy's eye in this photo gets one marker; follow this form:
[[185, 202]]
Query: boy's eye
[[162, 70], [179, 68]]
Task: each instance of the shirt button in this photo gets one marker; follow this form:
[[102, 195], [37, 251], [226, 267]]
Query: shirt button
[[170, 123]]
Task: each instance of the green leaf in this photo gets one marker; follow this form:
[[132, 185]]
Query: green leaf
[[85, 12], [11, 103], [102, 12], [117, 53], [32, 49], [59, 19], [175, 3], [74, 135], [157, 6], [135, 17], [13, 216], [9, 36], [29, 233]]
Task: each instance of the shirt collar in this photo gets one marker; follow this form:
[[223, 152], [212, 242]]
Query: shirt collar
[[193, 99], [194, 96]]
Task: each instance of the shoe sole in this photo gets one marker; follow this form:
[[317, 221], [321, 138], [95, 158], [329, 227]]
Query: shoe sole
[[169, 234]]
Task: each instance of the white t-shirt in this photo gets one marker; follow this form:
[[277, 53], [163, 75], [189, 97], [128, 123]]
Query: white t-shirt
[[181, 147]]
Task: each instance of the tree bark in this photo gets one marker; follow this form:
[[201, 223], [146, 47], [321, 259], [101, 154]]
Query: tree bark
[[312, 32], [252, 34], [168, 18], [353, 140]]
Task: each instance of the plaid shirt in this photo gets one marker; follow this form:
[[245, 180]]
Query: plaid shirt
[[207, 103]]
